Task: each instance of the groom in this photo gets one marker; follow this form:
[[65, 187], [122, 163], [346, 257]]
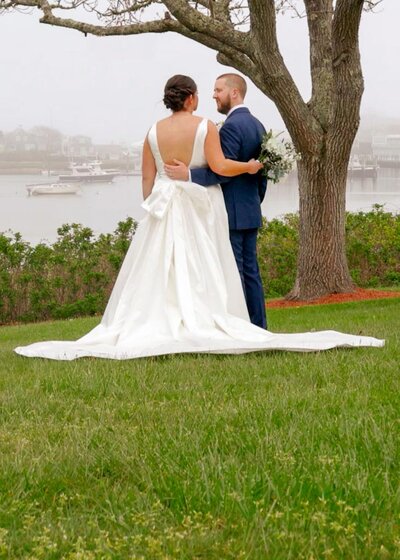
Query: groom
[[241, 136]]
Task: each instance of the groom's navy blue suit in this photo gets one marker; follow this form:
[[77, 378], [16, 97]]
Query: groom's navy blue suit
[[241, 137]]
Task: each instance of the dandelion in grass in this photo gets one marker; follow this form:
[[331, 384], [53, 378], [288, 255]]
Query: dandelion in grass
[[277, 155]]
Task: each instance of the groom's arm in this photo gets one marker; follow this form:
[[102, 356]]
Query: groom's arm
[[231, 144], [205, 177]]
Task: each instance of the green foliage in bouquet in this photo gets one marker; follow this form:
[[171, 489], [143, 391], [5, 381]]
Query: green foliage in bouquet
[[277, 155]]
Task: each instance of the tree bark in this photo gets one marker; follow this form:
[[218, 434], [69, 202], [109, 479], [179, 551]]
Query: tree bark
[[322, 264]]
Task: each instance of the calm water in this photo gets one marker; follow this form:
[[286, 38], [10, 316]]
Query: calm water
[[102, 206]]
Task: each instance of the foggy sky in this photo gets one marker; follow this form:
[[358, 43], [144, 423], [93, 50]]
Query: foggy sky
[[110, 88]]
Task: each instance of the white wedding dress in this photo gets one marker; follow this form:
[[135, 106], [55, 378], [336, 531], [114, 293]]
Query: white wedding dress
[[179, 289]]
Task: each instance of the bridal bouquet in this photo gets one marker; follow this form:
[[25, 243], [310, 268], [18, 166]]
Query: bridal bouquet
[[277, 156]]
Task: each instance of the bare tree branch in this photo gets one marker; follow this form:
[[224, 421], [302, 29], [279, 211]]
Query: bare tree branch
[[348, 80], [283, 6], [278, 84], [156, 26], [219, 30], [121, 7], [13, 4], [370, 5]]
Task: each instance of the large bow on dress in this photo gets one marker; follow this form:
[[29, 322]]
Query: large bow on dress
[[165, 190]]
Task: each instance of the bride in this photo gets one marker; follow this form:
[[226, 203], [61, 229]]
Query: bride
[[179, 288]]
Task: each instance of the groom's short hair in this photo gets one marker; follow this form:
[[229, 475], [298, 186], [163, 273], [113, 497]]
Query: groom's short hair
[[235, 81]]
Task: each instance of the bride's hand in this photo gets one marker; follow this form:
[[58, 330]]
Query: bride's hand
[[254, 166]]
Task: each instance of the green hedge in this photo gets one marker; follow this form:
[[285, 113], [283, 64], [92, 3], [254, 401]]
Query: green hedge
[[72, 277], [75, 275]]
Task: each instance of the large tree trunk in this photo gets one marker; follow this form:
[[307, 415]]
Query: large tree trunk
[[322, 264]]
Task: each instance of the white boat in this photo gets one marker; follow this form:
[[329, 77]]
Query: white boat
[[131, 173], [49, 172], [88, 173], [361, 169], [113, 171], [52, 188]]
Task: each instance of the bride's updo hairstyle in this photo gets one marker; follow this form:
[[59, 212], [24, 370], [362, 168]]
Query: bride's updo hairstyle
[[177, 90]]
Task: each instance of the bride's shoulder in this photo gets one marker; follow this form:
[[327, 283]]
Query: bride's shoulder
[[208, 122], [162, 121], [211, 127], [200, 118], [197, 119]]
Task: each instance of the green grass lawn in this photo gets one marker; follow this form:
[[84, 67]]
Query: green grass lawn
[[271, 455]]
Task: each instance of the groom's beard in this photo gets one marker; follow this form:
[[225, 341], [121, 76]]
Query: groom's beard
[[224, 108]]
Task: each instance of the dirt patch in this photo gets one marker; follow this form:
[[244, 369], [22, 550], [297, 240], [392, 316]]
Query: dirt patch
[[358, 295]]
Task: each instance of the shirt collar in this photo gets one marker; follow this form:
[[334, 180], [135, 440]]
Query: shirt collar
[[235, 107]]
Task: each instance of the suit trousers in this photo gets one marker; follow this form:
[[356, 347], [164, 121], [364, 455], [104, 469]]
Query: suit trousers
[[244, 245]]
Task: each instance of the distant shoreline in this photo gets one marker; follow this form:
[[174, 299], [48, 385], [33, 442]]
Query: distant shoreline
[[19, 171], [54, 168]]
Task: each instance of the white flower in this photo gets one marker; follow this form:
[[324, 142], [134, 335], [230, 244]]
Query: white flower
[[278, 156]]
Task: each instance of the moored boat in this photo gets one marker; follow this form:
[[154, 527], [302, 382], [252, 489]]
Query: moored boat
[[52, 188], [88, 173], [361, 169]]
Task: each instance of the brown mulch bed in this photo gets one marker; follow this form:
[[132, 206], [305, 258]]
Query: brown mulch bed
[[358, 295]]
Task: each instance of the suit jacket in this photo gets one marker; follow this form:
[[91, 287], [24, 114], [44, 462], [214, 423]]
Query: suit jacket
[[241, 137]]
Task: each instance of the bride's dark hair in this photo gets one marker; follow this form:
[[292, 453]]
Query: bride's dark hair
[[176, 90]]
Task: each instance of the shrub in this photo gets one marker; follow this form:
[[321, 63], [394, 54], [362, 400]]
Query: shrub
[[373, 247], [75, 275], [277, 254], [72, 277]]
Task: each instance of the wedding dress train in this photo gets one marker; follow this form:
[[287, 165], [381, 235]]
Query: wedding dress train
[[179, 289]]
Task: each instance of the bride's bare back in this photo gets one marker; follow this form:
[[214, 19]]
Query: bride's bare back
[[176, 136]]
